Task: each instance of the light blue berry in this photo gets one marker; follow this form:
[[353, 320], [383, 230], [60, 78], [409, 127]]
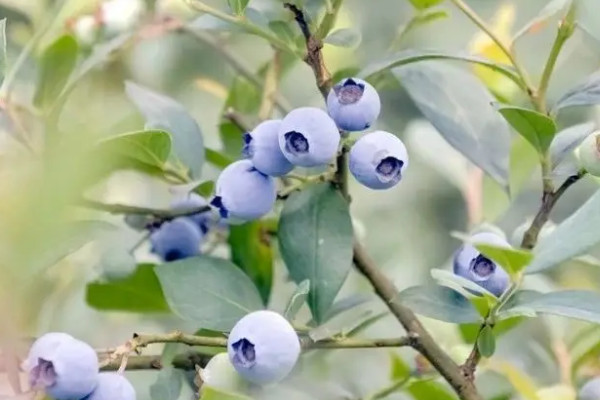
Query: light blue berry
[[112, 386], [190, 201], [63, 367], [176, 239], [308, 137], [263, 347], [378, 160], [262, 147], [244, 193], [591, 390], [474, 266], [353, 104]]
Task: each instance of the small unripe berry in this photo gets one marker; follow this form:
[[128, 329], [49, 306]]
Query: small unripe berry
[[176, 239], [112, 386], [244, 193], [589, 154], [63, 367], [262, 147], [476, 267], [308, 137], [263, 347], [590, 390], [378, 160], [353, 104]]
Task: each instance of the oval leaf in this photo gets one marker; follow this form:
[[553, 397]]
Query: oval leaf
[[458, 105], [209, 291], [150, 148], [315, 239], [486, 342], [512, 260], [586, 93], [162, 112], [343, 38], [568, 140], [537, 128]]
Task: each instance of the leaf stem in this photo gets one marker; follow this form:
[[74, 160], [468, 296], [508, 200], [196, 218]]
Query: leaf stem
[[129, 209]]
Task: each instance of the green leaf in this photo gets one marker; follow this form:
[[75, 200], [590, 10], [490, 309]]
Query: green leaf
[[210, 393], [139, 292], [283, 30], [205, 189], [251, 251], [237, 6], [577, 304], [344, 37], [512, 260], [164, 113], [347, 303], [167, 385], [573, 237], [218, 159], [523, 161], [150, 148], [586, 93], [315, 239], [405, 57], [210, 291], [346, 325], [486, 343], [539, 21], [457, 282], [429, 390], [458, 105], [55, 67], [537, 128], [423, 4], [568, 140], [439, 302], [399, 369], [298, 298]]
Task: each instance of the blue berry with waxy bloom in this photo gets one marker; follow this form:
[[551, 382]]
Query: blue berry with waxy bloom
[[262, 147], [308, 137], [476, 267], [353, 104], [176, 239], [190, 201], [63, 367], [590, 390], [263, 347], [243, 193], [112, 386], [378, 160]]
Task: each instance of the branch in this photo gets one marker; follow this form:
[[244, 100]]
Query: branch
[[128, 209], [187, 361]]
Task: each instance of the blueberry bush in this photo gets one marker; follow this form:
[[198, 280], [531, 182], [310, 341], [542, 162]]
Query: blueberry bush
[[264, 199]]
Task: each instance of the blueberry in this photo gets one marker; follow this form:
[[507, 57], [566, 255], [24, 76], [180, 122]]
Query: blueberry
[[590, 390], [176, 239], [378, 160], [262, 147], [353, 104], [190, 201], [588, 153], [474, 266], [308, 137], [112, 386], [244, 193], [263, 347], [63, 367]]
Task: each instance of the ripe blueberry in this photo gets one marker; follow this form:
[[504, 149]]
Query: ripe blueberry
[[308, 137], [262, 147], [474, 266], [193, 200], [176, 239], [112, 386], [244, 193], [588, 153], [353, 104], [378, 160], [263, 347], [63, 367], [590, 390]]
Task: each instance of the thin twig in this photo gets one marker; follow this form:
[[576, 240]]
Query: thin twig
[[186, 361], [235, 118], [128, 209]]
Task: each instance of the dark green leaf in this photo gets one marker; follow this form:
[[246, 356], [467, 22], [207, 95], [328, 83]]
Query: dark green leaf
[[537, 128], [251, 251], [573, 237], [162, 112], [469, 332], [458, 105], [486, 343], [237, 6], [55, 67], [539, 21], [218, 159], [512, 260], [210, 291], [439, 302], [430, 390], [405, 57], [577, 304], [150, 148], [167, 385], [315, 239], [584, 94], [297, 300], [344, 37], [568, 140], [423, 4], [139, 292]]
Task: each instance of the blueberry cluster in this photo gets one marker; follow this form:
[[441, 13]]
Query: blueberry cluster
[[66, 368]]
